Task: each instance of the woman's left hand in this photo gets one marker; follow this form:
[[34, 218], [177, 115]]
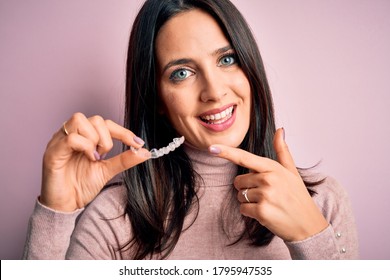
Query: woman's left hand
[[277, 196]]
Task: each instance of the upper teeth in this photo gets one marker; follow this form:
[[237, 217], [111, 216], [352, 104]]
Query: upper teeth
[[220, 115]]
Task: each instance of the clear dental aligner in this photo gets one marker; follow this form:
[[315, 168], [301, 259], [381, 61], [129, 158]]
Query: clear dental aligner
[[156, 153], [176, 142]]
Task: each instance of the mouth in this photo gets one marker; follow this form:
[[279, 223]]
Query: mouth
[[219, 119]]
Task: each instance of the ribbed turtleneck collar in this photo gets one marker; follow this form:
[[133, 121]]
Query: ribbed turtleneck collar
[[215, 171]]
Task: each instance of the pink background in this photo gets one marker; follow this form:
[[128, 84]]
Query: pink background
[[327, 62]]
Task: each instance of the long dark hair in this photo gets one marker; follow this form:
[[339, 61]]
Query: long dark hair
[[161, 192]]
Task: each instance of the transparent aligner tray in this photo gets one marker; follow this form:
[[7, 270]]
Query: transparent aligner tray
[[156, 153], [176, 142]]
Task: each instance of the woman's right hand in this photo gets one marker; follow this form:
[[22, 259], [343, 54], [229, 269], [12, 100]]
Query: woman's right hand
[[73, 173]]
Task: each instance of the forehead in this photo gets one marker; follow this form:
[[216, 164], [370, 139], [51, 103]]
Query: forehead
[[188, 34]]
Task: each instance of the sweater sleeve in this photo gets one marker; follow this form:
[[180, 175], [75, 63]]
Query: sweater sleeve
[[339, 240], [48, 233]]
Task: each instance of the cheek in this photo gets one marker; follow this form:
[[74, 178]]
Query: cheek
[[243, 89], [242, 83], [167, 99], [173, 105]]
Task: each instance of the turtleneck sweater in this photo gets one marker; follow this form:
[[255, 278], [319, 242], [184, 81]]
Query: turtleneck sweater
[[210, 229]]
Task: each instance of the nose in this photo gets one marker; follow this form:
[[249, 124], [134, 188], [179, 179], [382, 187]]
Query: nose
[[214, 88]]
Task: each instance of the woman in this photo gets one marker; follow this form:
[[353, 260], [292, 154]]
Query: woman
[[231, 191]]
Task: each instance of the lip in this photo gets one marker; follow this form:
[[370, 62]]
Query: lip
[[221, 126]]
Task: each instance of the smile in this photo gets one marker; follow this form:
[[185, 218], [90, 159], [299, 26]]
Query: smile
[[219, 119]]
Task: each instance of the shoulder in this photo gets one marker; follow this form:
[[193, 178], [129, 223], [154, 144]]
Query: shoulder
[[331, 196], [330, 188]]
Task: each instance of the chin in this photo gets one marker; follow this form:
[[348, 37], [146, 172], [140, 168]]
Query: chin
[[232, 142]]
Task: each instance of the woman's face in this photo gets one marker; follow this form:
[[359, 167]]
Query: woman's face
[[204, 92]]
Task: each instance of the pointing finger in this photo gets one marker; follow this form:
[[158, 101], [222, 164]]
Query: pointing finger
[[243, 158]]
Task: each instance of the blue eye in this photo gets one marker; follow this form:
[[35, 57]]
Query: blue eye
[[228, 60], [180, 74]]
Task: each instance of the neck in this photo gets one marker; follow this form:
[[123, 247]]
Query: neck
[[215, 171]]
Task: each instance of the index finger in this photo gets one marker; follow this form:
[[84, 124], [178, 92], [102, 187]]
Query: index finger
[[124, 135], [243, 158]]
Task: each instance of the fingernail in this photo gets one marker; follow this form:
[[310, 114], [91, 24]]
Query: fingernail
[[103, 156], [96, 155], [214, 150], [138, 140], [284, 134], [146, 154], [134, 150]]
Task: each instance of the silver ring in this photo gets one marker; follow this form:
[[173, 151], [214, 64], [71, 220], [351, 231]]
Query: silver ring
[[245, 194], [64, 129]]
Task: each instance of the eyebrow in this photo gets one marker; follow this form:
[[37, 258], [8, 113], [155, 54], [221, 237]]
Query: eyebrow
[[181, 61], [222, 50]]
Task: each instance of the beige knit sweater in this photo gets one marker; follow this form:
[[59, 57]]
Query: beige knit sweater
[[98, 230]]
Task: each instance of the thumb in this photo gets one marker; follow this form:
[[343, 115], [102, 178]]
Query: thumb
[[126, 160], [282, 152]]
